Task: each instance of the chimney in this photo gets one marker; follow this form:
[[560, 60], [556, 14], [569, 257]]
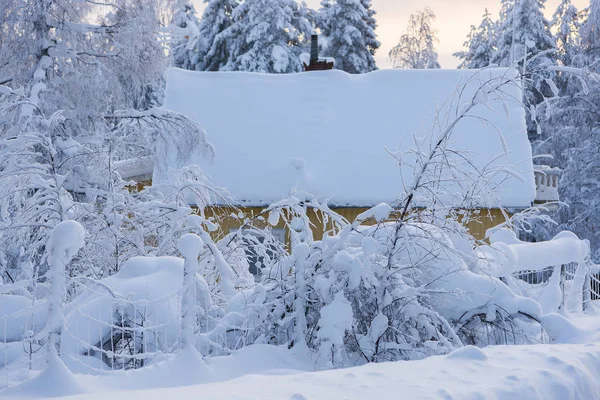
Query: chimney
[[315, 64], [314, 49]]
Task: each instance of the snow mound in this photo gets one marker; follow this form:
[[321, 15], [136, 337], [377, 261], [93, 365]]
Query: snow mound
[[54, 381], [468, 353], [18, 316], [560, 329], [538, 372]]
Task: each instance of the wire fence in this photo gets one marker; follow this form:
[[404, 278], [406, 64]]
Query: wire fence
[[532, 283], [103, 331], [120, 332]]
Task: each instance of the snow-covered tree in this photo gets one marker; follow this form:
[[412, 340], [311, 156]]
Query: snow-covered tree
[[525, 40], [570, 134], [590, 33], [479, 45], [267, 36], [142, 83], [184, 35], [524, 33], [64, 127], [30, 165], [214, 42], [565, 25], [348, 28], [372, 43], [416, 47]]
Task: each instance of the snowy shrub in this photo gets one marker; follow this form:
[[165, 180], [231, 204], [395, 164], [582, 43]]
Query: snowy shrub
[[407, 272]]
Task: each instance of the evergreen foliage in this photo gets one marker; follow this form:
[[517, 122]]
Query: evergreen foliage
[[480, 45], [267, 36], [348, 29]]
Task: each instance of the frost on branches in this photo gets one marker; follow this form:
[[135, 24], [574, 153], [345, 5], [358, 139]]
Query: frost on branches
[[416, 47], [569, 123], [72, 108]]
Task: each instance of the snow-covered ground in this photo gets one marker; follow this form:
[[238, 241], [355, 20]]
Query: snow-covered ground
[[545, 371]]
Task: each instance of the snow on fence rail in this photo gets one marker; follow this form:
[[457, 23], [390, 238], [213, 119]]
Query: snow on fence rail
[[557, 273]]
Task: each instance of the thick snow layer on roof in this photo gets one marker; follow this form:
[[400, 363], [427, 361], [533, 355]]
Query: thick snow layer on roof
[[332, 134]]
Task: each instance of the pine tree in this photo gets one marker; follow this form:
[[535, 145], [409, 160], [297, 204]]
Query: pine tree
[[371, 38], [348, 29], [267, 36], [565, 22], [185, 35], [566, 26], [525, 40], [213, 49], [524, 33], [590, 35], [571, 131], [416, 47], [479, 45]]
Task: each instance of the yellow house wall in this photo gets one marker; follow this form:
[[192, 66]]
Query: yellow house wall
[[487, 218]]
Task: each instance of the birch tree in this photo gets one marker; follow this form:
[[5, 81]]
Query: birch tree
[[416, 47]]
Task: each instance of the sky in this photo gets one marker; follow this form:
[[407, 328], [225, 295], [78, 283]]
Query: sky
[[454, 19]]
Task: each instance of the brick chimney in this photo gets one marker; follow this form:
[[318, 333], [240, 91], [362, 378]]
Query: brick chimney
[[316, 64]]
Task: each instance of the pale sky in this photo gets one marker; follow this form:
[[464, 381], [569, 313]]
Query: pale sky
[[454, 19]]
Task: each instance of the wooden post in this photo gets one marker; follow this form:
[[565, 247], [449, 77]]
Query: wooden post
[[587, 290], [563, 276]]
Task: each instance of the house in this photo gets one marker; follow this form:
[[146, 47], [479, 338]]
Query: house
[[339, 136]]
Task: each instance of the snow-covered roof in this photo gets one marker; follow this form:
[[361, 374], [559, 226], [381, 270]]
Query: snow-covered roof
[[332, 134], [305, 59], [136, 169]]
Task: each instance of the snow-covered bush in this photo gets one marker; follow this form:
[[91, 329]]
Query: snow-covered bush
[[387, 291], [402, 278]]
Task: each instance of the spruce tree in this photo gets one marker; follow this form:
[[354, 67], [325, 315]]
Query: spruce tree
[[348, 28], [565, 22], [590, 35], [184, 31], [525, 41], [213, 49], [371, 38], [267, 36], [480, 45], [524, 32]]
